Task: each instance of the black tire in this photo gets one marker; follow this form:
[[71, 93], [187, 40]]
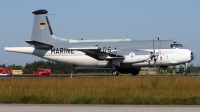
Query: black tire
[[115, 73], [184, 73]]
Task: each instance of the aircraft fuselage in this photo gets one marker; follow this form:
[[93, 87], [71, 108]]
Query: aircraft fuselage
[[167, 54]]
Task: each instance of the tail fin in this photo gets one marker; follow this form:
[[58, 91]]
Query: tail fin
[[42, 31]]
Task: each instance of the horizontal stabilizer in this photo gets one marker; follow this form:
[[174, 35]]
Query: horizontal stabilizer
[[25, 50], [39, 45]]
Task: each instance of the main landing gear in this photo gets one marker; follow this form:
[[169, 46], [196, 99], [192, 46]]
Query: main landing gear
[[115, 73]]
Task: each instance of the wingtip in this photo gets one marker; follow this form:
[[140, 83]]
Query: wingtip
[[4, 48]]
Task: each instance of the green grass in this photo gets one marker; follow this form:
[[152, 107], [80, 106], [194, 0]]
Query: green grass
[[112, 90]]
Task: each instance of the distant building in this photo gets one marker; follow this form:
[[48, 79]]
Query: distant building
[[147, 71], [17, 72]]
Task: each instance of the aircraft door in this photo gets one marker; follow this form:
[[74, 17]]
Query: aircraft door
[[163, 57]]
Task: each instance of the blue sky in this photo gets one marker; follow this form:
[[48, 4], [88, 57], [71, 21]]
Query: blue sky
[[102, 19]]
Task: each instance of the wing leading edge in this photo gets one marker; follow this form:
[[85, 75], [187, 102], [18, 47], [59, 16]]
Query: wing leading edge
[[119, 56]]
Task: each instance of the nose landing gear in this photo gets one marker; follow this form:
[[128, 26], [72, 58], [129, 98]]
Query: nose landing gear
[[185, 69]]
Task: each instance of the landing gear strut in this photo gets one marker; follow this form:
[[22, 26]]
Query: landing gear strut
[[185, 69]]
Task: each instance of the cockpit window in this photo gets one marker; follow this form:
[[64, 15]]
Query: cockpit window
[[176, 45]]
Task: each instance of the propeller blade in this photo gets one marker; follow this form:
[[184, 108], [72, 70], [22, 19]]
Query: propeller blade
[[153, 48], [154, 55]]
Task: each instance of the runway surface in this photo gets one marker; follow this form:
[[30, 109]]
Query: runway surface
[[96, 108], [93, 76]]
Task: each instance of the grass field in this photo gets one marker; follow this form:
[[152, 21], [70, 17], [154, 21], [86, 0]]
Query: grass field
[[111, 90]]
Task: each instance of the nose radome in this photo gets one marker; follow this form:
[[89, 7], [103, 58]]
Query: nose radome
[[192, 56]]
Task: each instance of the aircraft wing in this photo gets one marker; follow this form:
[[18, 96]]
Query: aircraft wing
[[84, 48], [96, 53], [130, 51]]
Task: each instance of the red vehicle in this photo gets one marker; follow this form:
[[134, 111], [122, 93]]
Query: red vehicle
[[41, 72], [6, 71]]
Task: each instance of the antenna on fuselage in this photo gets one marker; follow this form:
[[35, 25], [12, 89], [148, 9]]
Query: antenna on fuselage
[[7, 62], [175, 40]]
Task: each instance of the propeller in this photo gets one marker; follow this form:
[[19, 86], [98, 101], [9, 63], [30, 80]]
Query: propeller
[[154, 55]]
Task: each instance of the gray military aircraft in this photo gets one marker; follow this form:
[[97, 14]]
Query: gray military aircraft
[[123, 55]]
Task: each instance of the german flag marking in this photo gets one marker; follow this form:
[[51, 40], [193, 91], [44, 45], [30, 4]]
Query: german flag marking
[[42, 25]]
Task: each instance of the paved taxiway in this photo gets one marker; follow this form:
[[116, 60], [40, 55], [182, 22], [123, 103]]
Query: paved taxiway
[[96, 108], [94, 76]]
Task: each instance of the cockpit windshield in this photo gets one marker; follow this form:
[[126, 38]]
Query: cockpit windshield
[[176, 45]]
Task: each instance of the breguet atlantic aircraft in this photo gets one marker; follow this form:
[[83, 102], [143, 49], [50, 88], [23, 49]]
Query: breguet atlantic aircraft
[[123, 55]]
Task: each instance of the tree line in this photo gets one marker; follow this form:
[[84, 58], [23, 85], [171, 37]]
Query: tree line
[[173, 69], [170, 70], [14, 67], [56, 68]]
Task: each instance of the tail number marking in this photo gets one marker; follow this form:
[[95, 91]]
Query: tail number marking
[[106, 49]]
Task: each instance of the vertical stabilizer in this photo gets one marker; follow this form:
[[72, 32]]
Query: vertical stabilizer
[[42, 31]]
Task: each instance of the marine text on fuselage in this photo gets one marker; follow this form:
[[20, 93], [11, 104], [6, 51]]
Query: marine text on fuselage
[[61, 51]]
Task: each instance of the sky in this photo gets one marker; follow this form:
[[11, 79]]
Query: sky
[[100, 19]]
